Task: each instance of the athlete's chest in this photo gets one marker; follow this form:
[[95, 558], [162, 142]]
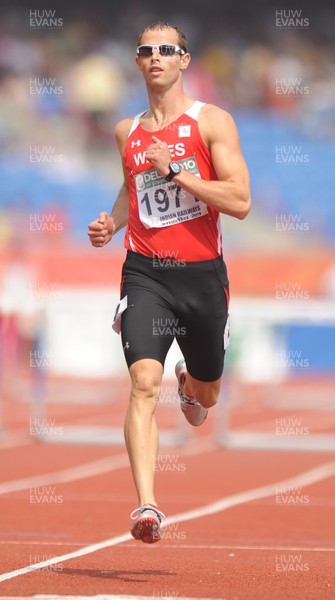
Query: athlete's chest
[[136, 153], [182, 138]]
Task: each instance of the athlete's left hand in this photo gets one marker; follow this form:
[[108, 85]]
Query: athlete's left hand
[[159, 154]]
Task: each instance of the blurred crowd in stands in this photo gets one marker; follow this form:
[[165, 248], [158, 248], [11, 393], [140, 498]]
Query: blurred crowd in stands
[[63, 88]]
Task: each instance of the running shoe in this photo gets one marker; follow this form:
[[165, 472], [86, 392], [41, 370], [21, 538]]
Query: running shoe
[[147, 523], [192, 409]]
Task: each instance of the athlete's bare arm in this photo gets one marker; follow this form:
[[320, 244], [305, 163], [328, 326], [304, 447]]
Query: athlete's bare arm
[[103, 228], [230, 194]]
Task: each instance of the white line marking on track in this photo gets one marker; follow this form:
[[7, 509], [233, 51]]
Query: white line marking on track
[[91, 469], [303, 479]]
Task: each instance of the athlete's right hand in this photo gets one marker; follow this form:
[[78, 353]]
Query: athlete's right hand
[[101, 230]]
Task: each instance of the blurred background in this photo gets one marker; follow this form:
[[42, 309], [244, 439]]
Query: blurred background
[[67, 76]]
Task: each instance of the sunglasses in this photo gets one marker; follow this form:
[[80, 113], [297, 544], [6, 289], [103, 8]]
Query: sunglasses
[[163, 49]]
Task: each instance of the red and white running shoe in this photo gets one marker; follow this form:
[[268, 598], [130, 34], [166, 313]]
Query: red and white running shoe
[[147, 523]]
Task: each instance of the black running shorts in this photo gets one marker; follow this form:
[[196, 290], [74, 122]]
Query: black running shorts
[[167, 299]]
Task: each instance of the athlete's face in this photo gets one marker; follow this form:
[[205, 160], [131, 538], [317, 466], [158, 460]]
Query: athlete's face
[[159, 70]]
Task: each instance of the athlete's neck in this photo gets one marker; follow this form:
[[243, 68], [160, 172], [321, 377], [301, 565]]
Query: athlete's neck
[[165, 108]]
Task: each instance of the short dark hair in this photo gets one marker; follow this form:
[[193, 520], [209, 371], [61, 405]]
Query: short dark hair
[[182, 39]]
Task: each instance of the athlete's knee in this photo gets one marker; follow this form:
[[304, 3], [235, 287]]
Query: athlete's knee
[[209, 399], [145, 386], [207, 393], [146, 380]]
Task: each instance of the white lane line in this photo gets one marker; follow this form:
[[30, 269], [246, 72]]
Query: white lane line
[[77, 553], [303, 479], [92, 469]]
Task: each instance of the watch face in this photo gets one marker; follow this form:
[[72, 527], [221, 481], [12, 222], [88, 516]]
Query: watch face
[[175, 167]]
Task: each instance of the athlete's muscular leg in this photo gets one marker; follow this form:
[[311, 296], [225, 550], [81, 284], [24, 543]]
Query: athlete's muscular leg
[[140, 427], [206, 393]]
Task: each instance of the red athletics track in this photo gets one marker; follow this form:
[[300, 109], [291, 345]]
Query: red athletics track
[[230, 533]]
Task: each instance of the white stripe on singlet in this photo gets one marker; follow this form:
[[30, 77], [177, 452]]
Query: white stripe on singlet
[[194, 110], [131, 242], [136, 122]]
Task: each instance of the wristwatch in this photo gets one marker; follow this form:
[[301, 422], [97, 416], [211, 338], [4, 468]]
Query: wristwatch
[[175, 168]]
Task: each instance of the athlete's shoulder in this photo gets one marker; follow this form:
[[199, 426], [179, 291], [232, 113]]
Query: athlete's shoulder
[[122, 128], [216, 122], [121, 133], [212, 113]]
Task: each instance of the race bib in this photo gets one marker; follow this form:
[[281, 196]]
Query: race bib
[[162, 203]]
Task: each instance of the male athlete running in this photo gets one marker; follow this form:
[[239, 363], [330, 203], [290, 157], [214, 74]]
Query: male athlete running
[[183, 166]]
